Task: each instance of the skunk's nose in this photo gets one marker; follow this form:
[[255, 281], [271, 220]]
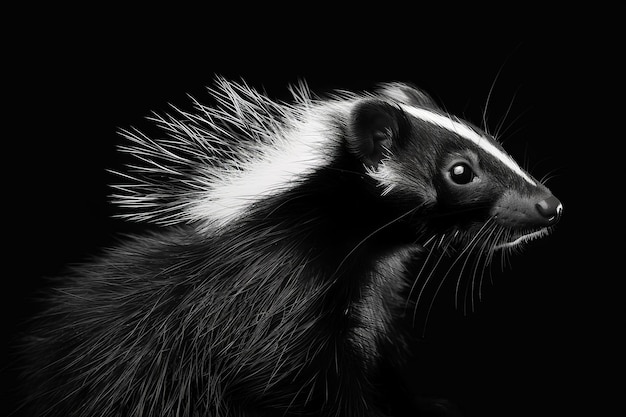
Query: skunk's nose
[[550, 209], [519, 211]]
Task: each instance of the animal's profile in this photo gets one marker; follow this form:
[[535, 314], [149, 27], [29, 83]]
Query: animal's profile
[[292, 234]]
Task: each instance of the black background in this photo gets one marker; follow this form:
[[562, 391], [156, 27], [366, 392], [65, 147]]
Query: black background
[[547, 337]]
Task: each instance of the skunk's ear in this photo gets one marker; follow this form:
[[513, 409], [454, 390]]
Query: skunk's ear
[[373, 127]]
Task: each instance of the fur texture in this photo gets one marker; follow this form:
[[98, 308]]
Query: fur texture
[[293, 235]]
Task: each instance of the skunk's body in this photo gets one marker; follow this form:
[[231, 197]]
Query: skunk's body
[[293, 235]]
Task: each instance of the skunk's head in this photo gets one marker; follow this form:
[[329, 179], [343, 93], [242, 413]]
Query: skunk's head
[[210, 167], [460, 180]]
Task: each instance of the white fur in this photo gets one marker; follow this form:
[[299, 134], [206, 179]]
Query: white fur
[[527, 237], [384, 176], [291, 156], [467, 133]]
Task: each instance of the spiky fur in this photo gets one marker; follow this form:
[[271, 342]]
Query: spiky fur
[[208, 152], [275, 301]]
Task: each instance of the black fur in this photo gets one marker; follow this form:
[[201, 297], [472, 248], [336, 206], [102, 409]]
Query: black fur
[[289, 311]]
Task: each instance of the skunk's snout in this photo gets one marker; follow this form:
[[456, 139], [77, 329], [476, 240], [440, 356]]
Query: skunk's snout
[[523, 211], [550, 209]]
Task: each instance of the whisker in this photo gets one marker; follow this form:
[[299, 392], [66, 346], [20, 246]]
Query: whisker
[[482, 277], [478, 244], [425, 284], [550, 175], [488, 259], [464, 251], [491, 88], [467, 250], [429, 240], [458, 284], [483, 253], [419, 274], [506, 114], [469, 287], [504, 260], [369, 236], [504, 134], [461, 275]]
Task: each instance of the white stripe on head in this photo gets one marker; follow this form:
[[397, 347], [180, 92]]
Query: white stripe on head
[[466, 132]]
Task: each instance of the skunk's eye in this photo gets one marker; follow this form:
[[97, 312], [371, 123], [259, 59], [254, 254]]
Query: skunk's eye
[[461, 173]]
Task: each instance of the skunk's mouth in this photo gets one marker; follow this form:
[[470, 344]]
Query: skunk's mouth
[[519, 238], [525, 218]]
